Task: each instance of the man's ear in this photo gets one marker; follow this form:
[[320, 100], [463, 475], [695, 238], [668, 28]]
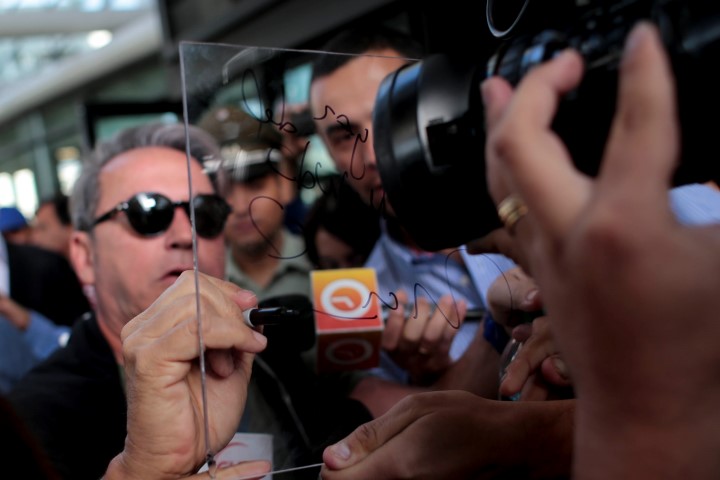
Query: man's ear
[[82, 257]]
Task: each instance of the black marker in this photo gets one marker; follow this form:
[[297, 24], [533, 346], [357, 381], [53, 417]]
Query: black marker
[[270, 316]]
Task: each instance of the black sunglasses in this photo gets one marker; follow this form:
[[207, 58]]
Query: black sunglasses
[[152, 213]]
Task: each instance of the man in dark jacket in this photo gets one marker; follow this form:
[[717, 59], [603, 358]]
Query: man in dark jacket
[[131, 244]]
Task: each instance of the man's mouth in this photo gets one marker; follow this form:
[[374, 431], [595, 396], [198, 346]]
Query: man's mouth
[[242, 226], [176, 272]]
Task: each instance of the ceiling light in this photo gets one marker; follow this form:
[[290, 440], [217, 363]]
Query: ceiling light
[[99, 38]]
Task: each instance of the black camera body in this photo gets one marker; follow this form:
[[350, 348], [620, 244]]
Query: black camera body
[[429, 119]]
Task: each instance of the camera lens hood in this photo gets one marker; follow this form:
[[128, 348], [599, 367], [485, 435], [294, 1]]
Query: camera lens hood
[[429, 144]]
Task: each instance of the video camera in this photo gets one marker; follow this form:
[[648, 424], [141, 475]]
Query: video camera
[[429, 119]]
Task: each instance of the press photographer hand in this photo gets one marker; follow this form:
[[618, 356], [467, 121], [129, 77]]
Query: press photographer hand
[[419, 338], [537, 371], [632, 294], [456, 435]]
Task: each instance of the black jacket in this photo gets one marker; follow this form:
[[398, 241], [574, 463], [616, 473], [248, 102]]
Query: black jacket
[[74, 404], [43, 281]]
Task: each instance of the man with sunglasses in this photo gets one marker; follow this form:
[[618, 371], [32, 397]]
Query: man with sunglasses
[[132, 241]]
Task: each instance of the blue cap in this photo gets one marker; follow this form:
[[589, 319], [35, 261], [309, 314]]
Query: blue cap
[[11, 219]]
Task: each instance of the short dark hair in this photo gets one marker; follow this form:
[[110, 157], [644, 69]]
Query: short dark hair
[[362, 40], [60, 204]]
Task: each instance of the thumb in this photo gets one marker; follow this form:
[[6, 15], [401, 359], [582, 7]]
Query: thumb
[[367, 438]]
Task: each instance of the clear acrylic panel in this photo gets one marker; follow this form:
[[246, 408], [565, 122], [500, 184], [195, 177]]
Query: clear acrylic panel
[[245, 96]]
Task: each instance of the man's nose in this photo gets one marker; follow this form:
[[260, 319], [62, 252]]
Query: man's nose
[[365, 147], [240, 200], [179, 233]]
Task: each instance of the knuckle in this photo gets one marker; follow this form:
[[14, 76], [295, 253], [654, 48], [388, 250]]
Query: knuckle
[[129, 349], [143, 363], [187, 275], [634, 116], [416, 405], [389, 340], [541, 325], [128, 330], [430, 337], [503, 141], [367, 435], [192, 326]]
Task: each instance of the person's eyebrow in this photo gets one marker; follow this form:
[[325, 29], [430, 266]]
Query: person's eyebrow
[[336, 127]]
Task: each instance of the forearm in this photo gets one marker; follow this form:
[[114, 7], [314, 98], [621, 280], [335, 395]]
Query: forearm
[[549, 431], [529, 440], [475, 372]]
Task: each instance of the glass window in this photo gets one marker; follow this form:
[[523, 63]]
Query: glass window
[[7, 191], [25, 192], [109, 126], [68, 167]]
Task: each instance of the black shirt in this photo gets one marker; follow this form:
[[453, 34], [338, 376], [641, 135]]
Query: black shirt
[[43, 281], [74, 404]]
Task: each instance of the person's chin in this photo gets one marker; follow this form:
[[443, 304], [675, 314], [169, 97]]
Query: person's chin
[[241, 229], [253, 246]]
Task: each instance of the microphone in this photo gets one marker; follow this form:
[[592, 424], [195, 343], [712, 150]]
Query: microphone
[[288, 322], [344, 320], [256, 317], [348, 319]]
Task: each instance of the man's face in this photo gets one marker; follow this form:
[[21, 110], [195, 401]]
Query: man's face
[[48, 232], [257, 212], [130, 271], [350, 93]]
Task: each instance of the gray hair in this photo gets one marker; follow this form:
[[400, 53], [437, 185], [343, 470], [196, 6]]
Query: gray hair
[[86, 192]]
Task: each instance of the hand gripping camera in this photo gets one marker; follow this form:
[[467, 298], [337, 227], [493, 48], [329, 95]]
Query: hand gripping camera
[[428, 120]]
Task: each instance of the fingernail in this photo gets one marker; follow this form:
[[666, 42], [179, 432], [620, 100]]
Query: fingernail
[[561, 368], [341, 451], [531, 296], [564, 55], [259, 337], [246, 296], [640, 33]]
